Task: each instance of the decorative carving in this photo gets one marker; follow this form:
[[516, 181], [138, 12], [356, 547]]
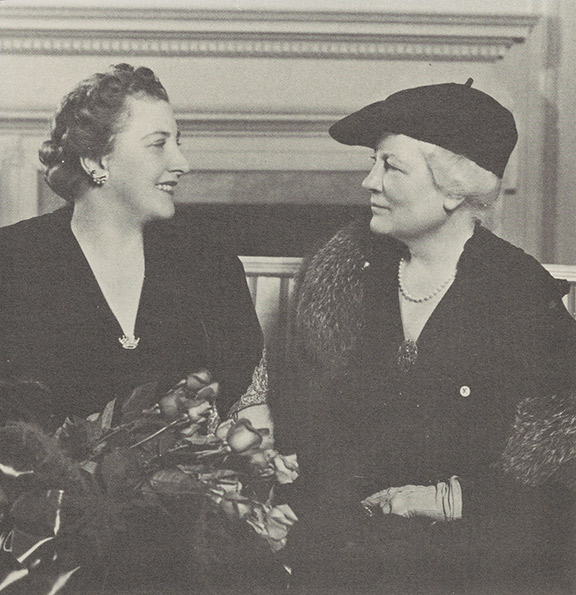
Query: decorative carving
[[282, 34], [438, 49]]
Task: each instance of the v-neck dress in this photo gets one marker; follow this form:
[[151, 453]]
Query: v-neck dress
[[57, 328]]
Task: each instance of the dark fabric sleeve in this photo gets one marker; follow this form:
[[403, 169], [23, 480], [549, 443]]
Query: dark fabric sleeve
[[519, 515], [289, 381], [234, 334]]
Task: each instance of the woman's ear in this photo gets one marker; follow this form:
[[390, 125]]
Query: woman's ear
[[95, 169], [451, 203]]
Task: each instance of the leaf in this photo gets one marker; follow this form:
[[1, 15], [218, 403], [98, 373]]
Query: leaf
[[35, 513], [25, 447], [76, 436], [121, 471], [142, 397]]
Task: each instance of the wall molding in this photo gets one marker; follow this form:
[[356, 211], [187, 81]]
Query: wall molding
[[199, 123], [250, 33]]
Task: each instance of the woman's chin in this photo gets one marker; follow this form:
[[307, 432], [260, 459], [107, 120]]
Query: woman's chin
[[379, 227], [164, 211]]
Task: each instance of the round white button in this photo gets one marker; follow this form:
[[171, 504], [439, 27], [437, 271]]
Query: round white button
[[465, 391]]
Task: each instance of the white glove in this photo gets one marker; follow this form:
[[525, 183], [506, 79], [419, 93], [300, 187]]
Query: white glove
[[440, 502]]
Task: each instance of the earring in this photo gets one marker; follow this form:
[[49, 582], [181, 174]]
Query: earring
[[98, 180]]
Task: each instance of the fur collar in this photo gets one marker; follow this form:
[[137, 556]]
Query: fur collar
[[331, 291], [331, 288]]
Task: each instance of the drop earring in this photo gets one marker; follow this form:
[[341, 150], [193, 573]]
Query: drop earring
[[98, 180]]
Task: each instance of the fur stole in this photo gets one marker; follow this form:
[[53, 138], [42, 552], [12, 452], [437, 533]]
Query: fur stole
[[330, 296]]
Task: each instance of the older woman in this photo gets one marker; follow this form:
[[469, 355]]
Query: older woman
[[113, 291], [417, 337]]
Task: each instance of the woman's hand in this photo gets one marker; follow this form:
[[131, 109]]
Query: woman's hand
[[439, 502]]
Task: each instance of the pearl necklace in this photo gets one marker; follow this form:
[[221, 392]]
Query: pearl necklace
[[419, 300]]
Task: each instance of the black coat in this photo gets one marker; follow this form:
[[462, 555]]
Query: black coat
[[360, 422], [57, 328]]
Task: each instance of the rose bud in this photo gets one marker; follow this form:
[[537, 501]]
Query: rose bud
[[261, 462], [223, 429], [198, 380], [286, 468], [208, 393], [243, 436], [199, 411], [170, 406]]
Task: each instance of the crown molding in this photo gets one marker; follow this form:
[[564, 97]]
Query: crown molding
[[251, 33], [35, 122]]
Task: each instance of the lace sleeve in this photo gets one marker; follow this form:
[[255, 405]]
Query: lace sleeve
[[257, 393]]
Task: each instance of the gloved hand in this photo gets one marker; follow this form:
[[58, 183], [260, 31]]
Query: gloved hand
[[439, 502]]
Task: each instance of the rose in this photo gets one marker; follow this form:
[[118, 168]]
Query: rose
[[260, 462], [190, 396], [240, 435], [273, 524], [235, 506], [286, 468], [198, 380], [172, 405]]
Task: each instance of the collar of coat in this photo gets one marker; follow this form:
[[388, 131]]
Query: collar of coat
[[330, 303]]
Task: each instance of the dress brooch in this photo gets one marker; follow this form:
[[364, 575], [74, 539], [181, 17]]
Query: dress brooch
[[407, 355], [129, 342]]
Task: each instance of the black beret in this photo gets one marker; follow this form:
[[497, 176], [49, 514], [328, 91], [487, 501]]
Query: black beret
[[456, 117]]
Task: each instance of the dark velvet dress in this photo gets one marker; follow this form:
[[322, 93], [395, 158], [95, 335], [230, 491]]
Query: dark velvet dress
[[57, 328]]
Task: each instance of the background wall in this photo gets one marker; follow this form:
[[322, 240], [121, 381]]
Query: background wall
[[256, 83]]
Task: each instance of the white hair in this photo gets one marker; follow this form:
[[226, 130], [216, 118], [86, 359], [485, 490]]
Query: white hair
[[459, 177]]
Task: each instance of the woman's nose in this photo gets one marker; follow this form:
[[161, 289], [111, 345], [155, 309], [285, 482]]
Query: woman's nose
[[179, 162], [373, 181]]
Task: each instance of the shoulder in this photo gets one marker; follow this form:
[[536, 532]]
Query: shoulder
[[345, 257], [507, 269], [32, 241], [185, 244], [36, 227]]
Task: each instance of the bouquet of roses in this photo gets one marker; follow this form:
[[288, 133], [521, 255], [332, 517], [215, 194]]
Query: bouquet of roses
[[69, 499]]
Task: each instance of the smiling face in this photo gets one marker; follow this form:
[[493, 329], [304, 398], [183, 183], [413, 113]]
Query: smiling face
[[146, 162], [406, 204]]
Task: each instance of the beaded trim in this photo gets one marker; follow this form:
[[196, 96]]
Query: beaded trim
[[257, 392]]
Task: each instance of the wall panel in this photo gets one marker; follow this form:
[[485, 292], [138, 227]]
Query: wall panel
[[256, 84]]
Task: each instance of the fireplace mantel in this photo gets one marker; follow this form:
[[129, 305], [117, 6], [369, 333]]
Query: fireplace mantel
[[418, 34]]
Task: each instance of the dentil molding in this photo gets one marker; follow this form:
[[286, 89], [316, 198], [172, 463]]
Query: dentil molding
[[257, 33]]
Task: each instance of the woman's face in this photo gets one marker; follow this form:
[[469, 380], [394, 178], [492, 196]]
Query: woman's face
[[405, 201], [146, 162]]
